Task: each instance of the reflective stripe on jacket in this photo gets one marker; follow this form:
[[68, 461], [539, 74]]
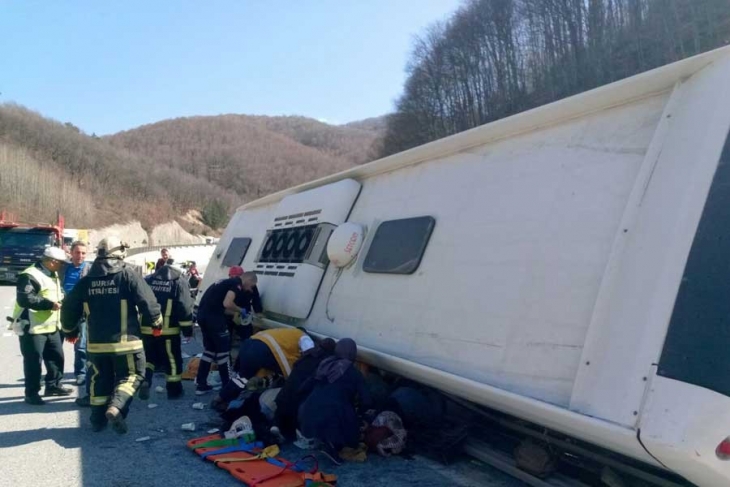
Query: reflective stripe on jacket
[[173, 295], [284, 344]]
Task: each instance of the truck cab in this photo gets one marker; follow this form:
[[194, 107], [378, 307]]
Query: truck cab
[[23, 244]]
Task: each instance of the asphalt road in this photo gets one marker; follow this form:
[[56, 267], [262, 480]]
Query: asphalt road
[[53, 445]]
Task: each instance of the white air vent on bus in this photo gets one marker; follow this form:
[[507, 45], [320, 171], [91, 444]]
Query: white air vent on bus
[[295, 245], [293, 256]]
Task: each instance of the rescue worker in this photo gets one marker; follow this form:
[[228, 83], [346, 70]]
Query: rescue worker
[[216, 305], [173, 295], [248, 299], [112, 296], [273, 350], [37, 311]]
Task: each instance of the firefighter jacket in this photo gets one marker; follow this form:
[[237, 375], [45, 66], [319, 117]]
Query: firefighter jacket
[[173, 295], [114, 298], [37, 290]]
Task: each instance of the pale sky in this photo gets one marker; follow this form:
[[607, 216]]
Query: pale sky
[[109, 66]]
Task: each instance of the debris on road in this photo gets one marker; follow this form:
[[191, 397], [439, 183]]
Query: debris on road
[[143, 438], [188, 427], [151, 406], [199, 405]]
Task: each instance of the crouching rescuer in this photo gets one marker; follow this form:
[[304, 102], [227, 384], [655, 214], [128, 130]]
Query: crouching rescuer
[[113, 297], [163, 345]]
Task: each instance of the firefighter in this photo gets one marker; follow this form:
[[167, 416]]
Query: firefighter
[[38, 301], [163, 347], [112, 296]]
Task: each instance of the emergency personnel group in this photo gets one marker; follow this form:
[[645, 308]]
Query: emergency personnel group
[[114, 319], [126, 327]]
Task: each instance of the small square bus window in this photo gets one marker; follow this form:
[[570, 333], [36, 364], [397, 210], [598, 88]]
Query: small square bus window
[[398, 245], [236, 251]]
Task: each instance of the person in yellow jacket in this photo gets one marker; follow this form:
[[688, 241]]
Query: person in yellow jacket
[[37, 314], [273, 350]]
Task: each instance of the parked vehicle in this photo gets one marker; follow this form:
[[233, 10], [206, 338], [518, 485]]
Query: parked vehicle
[[569, 265], [21, 244]]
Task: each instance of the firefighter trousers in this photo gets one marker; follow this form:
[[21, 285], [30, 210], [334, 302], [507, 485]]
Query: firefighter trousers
[[114, 381], [164, 351]]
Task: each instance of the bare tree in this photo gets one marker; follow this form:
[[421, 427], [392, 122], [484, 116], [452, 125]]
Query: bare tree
[[494, 58]]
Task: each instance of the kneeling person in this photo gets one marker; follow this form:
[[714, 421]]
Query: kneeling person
[[162, 346], [273, 350]]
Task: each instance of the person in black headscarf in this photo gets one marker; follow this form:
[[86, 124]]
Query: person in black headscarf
[[292, 395], [329, 414]]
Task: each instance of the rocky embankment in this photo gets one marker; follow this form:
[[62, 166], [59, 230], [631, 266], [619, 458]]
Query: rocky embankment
[[171, 233]]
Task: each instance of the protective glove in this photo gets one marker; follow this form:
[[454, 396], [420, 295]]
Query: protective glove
[[72, 340], [244, 313], [157, 327]]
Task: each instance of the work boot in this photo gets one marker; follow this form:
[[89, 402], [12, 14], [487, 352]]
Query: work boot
[[332, 453], [97, 427], [202, 389], [115, 417], [57, 391], [83, 402], [35, 400], [218, 404], [172, 395], [276, 435], [144, 391]]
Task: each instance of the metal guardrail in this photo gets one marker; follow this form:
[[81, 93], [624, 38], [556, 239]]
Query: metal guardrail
[[142, 250]]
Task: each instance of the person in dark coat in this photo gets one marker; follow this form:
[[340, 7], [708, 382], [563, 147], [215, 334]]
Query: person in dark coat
[[329, 414], [291, 395]]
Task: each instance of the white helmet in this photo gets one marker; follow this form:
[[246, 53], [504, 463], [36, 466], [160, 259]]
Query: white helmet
[[55, 253], [112, 247]]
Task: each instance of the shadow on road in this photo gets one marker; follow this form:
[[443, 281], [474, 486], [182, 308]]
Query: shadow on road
[[53, 405], [64, 437]]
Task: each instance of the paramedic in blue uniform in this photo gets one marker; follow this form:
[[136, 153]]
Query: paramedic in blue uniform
[[218, 303]]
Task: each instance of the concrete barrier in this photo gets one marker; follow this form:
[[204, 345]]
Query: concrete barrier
[[200, 253]]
